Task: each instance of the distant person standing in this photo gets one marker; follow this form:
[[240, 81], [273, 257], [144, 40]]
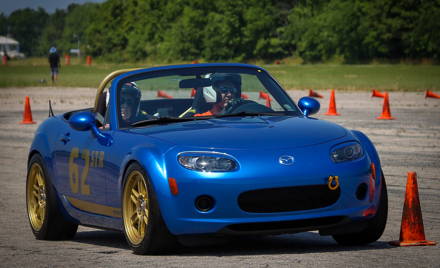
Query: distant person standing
[[54, 61]]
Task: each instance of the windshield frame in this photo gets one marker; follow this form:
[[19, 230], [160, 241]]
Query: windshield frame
[[263, 76]]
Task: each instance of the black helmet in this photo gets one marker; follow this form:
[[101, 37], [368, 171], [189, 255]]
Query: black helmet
[[218, 78], [130, 96]]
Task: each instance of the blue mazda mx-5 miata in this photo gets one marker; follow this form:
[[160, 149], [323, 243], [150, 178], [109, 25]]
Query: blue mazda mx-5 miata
[[228, 153]]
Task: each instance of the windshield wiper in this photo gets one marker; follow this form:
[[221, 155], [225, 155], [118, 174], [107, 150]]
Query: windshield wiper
[[161, 120], [245, 114]]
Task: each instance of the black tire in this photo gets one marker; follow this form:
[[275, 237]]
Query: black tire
[[375, 226], [54, 226], [156, 239]]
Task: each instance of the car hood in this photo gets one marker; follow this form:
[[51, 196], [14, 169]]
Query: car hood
[[246, 132]]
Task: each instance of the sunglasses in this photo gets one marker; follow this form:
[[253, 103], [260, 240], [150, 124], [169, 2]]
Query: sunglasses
[[226, 89]]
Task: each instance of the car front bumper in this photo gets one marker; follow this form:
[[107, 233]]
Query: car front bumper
[[182, 215]]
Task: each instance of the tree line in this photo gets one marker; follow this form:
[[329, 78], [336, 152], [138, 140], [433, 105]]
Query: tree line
[[350, 31]]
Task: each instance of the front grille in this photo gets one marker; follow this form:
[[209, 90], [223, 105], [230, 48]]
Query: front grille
[[307, 224], [288, 199]]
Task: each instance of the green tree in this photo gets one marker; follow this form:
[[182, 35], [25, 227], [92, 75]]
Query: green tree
[[78, 19], [184, 39], [52, 32], [3, 24], [423, 41], [26, 25]]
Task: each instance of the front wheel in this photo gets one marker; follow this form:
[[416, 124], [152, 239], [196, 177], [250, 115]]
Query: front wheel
[[144, 228], [43, 208], [375, 226]]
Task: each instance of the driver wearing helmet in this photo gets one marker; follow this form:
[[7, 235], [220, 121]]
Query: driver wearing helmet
[[226, 88], [130, 97]]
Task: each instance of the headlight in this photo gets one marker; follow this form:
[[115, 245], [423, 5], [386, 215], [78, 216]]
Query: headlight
[[345, 153], [206, 163]]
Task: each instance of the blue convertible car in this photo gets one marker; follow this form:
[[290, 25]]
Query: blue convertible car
[[230, 153]]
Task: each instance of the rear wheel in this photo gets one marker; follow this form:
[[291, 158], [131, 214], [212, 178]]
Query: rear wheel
[[45, 218], [144, 228], [375, 226]]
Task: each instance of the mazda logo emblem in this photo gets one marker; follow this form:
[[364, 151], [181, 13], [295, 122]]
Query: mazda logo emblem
[[286, 160]]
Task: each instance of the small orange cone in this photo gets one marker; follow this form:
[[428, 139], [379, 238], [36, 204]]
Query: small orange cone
[[430, 94], [66, 59], [412, 232], [162, 94], [266, 97], [89, 60], [377, 94], [314, 94], [244, 96], [27, 113], [332, 105], [386, 111]]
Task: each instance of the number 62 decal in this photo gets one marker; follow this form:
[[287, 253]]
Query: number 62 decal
[[77, 183]]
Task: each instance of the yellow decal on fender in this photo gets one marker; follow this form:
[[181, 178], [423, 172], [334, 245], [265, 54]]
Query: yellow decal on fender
[[333, 182], [95, 159]]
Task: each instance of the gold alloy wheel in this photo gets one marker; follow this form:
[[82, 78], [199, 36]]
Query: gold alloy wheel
[[36, 196], [135, 207]]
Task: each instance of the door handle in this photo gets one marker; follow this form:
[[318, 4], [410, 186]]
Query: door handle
[[66, 138]]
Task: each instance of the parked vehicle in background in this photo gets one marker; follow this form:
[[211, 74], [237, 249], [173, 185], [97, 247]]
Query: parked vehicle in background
[[10, 47]]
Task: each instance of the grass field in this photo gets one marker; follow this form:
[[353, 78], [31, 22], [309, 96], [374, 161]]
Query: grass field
[[35, 72]]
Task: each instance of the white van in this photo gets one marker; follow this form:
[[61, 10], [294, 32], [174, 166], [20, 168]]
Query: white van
[[11, 47]]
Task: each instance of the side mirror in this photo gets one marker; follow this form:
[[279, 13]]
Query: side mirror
[[308, 106], [83, 121]]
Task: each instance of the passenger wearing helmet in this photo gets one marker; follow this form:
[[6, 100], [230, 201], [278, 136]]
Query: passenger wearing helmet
[[130, 97], [225, 90]]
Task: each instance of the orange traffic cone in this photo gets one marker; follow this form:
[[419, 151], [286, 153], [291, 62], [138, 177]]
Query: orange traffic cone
[[89, 60], [193, 92], [332, 105], [66, 59], [244, 96], [162, 94], [412, 232], [266, 97], [314, 94], [27, 113], [386, 111], [377, 94], [430, 94]]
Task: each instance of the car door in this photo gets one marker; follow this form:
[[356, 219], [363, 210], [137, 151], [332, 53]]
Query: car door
[[79, 163]]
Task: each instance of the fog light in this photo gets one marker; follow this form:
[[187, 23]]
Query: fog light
[[361, 191], [204, 203]]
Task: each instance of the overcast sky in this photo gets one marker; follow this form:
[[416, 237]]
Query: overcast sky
[[7, 6]]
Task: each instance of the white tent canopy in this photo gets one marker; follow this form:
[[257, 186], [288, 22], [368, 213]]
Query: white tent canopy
[[10, 47], [7, 41]]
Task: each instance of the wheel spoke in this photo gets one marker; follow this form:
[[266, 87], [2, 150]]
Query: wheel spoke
[[141, 228], [134, 200], [135, 193], [35, 208], [35, 186], [134, 218], [41, 212], [141, 191], [39, 179], [145, 218], [35, 194]]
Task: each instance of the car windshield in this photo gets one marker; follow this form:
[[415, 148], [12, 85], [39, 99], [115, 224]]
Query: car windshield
[[199, 93]]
